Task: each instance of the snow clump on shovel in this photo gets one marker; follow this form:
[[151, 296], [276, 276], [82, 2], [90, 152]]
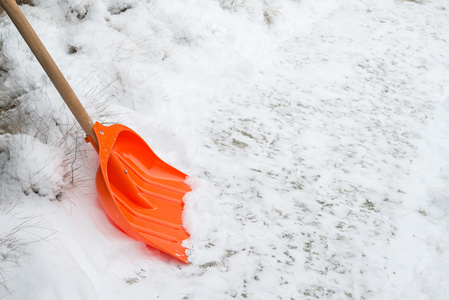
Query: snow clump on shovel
[[202, 218]]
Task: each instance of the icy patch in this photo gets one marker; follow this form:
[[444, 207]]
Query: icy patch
[[35, 167]]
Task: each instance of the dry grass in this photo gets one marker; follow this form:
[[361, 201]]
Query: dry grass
[[11, 119], [20, 2], [268, 9], [11, 246]]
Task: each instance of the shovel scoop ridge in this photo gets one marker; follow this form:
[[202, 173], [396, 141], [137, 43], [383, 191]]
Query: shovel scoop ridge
[[140, 193]]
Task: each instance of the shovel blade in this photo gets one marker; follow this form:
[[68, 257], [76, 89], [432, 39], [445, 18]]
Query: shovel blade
[[140, 193]]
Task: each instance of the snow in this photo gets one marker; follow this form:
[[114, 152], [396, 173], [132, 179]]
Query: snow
[[314, 134]]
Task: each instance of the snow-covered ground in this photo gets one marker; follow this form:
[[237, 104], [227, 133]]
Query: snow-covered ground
[[315, 133]]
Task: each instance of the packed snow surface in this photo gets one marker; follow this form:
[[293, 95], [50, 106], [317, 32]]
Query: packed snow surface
[[314, 134]]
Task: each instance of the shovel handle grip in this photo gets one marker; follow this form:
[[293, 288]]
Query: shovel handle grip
[[49, 66]]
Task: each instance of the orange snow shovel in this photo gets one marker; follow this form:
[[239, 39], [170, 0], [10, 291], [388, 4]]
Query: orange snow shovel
[[140, 193]]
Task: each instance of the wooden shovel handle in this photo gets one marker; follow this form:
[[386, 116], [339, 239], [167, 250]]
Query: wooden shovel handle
[[49, 66]]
